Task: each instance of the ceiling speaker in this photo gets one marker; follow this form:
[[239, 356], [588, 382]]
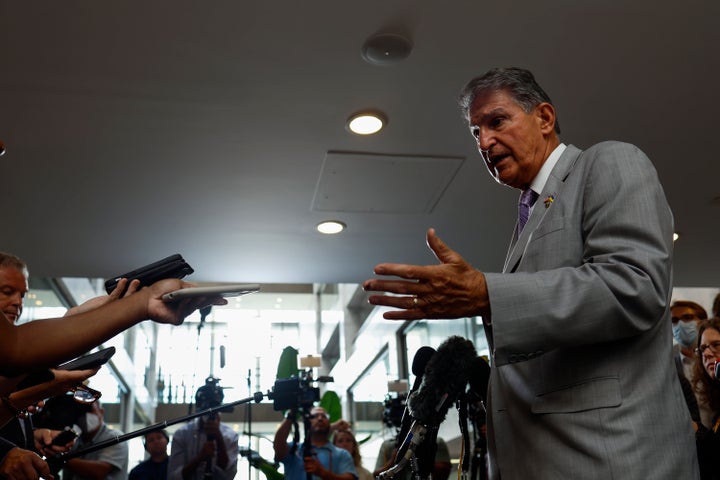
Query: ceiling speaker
[[386, 49]]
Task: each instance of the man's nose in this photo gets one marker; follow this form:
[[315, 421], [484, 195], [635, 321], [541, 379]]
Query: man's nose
[[16, 299], [485, 140]]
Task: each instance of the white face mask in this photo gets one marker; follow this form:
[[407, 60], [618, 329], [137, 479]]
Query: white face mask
[[685, 333], [92, 422]]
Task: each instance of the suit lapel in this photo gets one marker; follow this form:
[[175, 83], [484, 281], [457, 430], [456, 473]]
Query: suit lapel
[[551, 191]]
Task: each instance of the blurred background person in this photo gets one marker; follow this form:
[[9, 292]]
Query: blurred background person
[[110, 463], [205, 447], [327, 461], [707, 386], [346, 440], [155, 467]]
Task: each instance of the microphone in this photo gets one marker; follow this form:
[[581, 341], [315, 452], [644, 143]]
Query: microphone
[[717, 369], [479, 378], [204, 312], [446, 376], [420, 361]]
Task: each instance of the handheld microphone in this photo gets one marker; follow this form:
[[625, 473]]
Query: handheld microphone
[[420, 361], [717, 369], [479, 378], [204, 312]]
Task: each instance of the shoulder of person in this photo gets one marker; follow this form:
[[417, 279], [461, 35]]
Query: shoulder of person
[[617, 159], [613, 149]]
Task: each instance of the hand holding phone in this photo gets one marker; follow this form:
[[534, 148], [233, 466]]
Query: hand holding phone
[[66, 436], [93, 360], [173, 266]]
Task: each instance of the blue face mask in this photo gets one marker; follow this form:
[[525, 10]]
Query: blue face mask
[[685, 333]]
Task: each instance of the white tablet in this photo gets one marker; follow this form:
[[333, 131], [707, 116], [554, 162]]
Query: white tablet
[[219, 290]]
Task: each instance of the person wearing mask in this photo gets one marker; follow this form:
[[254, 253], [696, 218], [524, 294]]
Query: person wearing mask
[[582, 381], [155, 467], [110, 463], [708, 387], [686, 316]]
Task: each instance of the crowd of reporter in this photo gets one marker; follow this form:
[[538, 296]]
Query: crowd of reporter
[[34, 347]]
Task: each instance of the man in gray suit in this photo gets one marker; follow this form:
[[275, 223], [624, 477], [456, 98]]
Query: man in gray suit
[[582, 382]]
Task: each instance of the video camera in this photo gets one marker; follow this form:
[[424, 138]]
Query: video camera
[[393, 410], [210, 395], [296, 392]]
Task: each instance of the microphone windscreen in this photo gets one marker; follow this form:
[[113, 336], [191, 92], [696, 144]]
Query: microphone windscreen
[[421, 359], [479, 377], [446, 376]]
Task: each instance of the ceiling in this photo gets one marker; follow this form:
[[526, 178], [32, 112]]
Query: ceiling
[[135, 130]]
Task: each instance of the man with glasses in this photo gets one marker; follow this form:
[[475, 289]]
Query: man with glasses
[[327, 462]]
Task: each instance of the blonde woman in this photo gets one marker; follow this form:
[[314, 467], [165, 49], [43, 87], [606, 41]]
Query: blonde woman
[[346, 440]]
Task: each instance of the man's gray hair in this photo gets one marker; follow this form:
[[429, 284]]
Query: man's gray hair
[[518, 82], [8, 260]]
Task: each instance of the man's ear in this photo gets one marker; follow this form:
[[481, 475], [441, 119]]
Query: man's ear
[[545, 114]]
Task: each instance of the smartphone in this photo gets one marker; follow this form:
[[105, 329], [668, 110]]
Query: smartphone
[[64, 437], [89, 361], [220, 290], [173, 266]]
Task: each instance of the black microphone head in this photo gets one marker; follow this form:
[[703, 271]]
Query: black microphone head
[[717, 370], [421, 359], [446, 376], [479, 377]]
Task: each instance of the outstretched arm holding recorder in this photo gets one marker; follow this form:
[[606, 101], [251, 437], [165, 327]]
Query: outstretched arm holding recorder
[[52, 343]]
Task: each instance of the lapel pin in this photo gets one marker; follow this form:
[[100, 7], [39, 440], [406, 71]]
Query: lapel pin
[[549, 200]]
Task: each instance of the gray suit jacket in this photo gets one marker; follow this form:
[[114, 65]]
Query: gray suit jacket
[[583, 384]]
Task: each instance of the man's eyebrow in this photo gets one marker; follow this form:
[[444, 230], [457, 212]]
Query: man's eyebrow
[[484, 117]]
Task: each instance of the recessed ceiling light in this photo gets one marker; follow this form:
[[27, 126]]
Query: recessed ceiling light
[[331, 227], [366, 123], [675, 236]]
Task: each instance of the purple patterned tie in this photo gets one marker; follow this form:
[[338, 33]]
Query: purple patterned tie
[[527, 200]]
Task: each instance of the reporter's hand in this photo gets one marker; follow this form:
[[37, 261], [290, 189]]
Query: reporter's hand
[[43, 442], [174, 312], [64, 381], [96, 302], [312, 465], [21, 464]]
